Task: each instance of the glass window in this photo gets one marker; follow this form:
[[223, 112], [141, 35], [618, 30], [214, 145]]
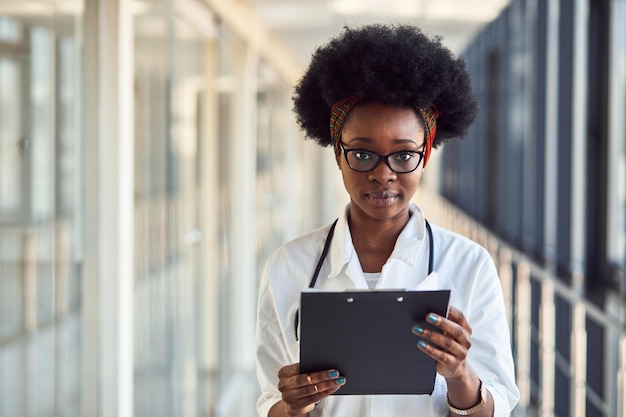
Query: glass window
[[13, 142], [170, 73], [40, 206]]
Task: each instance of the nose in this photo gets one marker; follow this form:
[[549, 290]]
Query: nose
[[383, 173]]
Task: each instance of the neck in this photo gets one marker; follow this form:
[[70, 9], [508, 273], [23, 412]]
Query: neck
[[375, 239]]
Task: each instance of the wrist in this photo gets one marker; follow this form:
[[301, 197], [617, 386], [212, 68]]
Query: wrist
[[477, 405], [464, 376], [287, 411]]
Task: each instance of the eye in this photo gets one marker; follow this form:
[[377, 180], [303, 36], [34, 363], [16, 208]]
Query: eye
[[362, 155], [402, 156]]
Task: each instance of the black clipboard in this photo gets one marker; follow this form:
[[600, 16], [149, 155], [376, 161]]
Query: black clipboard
[[366, 336]]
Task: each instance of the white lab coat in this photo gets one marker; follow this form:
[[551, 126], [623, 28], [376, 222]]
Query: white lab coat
[[460, 265]]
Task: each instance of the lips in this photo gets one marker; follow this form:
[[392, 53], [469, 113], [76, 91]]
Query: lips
[[382, 198]]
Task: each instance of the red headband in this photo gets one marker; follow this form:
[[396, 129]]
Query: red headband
[[339, 111], [430, 115]]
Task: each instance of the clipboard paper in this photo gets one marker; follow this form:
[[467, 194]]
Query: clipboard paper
[[366, 336]]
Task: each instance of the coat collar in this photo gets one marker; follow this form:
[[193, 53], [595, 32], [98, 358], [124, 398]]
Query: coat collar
[[343, 256]]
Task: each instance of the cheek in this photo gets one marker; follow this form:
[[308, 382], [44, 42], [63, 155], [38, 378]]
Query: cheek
[[417, 180], [350, 181], [412, 183]]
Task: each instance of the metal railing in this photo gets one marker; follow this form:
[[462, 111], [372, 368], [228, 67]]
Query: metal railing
[[532, 295]]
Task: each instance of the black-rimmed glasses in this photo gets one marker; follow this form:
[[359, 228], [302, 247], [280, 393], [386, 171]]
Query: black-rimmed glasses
[[401, 162]]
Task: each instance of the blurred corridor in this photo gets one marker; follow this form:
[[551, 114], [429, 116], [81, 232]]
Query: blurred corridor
[[150, 163]]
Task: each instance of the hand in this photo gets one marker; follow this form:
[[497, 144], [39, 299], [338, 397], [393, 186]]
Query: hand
[[302, 391], [449, 348]]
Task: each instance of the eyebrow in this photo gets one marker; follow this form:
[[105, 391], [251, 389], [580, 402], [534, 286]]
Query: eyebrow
[[366, 140], [370, 140]]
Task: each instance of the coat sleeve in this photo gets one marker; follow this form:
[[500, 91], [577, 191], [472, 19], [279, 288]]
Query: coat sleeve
[[271, 349], [490, 354]]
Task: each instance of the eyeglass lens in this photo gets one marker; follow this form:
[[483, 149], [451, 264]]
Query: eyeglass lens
[[400, 162]]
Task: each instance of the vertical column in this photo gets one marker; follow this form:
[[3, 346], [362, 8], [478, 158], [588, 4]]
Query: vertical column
[[107, 326], [116, 211], [547, 347], [579, 361], [523, 332], [621, 379], [209, 293], [579, 135], [531, 199], [90, 301], [30, 263], [551, 142], [616, 177], [614, 355], [242, 165]]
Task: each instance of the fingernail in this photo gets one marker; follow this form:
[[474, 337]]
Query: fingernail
[[333, 374], [422, 344], [432, 318], [340, 381], [418, 329]]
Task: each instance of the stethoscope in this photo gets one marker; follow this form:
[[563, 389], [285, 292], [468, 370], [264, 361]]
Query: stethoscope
[[320, 262]]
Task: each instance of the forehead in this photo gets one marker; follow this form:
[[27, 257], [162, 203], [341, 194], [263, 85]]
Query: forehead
[[376, 120]]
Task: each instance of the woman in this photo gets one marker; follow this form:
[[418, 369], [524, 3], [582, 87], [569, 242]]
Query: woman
[[390, 95]]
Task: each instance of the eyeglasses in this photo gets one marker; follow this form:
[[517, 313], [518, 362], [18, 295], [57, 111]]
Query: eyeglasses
[[402, 162]]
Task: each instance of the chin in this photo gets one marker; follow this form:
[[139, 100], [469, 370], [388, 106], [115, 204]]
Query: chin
[[385, 213]]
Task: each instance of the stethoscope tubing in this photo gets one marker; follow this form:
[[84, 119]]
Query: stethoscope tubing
[[320, 262]]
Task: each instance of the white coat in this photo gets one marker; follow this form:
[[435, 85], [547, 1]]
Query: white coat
[[460, 265]]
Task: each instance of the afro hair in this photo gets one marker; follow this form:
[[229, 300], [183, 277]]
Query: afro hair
[[394, 65]]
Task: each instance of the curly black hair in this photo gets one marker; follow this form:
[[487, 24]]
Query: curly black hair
[[395, 65]]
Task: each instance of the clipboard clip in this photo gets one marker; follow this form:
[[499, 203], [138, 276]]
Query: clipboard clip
[[398, 299]]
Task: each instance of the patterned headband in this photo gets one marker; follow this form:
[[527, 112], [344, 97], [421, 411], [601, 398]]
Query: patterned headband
[[338, 114], [430, 115], [340, 110]]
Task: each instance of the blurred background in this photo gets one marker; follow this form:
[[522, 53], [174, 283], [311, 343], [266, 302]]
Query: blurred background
[[150, 163]]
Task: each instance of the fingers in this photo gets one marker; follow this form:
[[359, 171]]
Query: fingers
[[289, 371], [314, 384], [322, 377], [290, 378], [457, 316], [450, 346], [301, 391], [454, 328]]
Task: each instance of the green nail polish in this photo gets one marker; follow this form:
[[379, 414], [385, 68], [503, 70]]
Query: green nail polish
[[340, 381], [422, 344], [333, 374], [418, 329]]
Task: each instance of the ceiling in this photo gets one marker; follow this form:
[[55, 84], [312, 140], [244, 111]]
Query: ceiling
[[305, 24]]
